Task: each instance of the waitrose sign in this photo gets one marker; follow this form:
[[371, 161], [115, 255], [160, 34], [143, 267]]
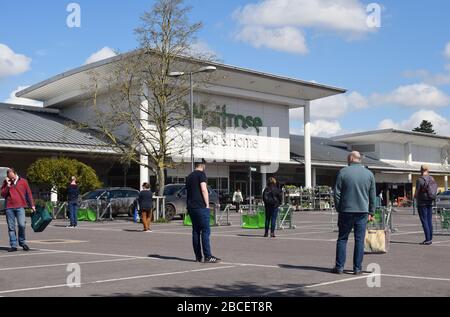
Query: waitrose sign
[[222, 119]]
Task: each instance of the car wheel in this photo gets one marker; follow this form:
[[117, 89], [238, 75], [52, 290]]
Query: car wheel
[[170, 212]]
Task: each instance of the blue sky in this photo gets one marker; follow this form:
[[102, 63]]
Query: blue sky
[[396, 75]]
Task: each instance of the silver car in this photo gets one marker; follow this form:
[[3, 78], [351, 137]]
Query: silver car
[[443, 200], [121, 200], [176, 197]]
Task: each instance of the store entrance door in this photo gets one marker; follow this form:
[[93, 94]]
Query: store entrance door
[[243, 187]]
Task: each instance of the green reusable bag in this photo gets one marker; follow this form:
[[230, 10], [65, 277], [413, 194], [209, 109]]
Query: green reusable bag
[[187, 221], [250, 221], [40, 219], [82, 214]]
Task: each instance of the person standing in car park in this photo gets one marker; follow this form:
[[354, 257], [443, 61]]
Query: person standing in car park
[[145, 201], [198, 210], [272, 197], [73, 193], [355, 200], [17, 194], [426, 190], [238, 199]]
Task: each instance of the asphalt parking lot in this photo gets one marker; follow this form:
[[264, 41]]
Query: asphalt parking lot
[[116, 259]]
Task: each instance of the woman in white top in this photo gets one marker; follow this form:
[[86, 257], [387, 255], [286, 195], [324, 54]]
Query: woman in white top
[[238, 199]]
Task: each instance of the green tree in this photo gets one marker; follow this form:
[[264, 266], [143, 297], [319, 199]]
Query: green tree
[[56, 173], [425, 127]]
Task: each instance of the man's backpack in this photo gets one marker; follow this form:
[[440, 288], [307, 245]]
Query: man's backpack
[[269, 198], [430, 189]]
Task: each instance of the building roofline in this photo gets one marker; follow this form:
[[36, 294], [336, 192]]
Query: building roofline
[[398, 131], [28, 108], [117, 58]]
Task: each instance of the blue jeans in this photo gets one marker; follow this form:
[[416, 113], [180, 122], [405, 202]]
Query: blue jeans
[[271, 219], [73, 209], [348, 222], [201, 231], [11, 216], [426, 217]]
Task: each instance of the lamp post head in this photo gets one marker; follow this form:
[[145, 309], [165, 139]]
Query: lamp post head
[[176, 74], [207, 69]]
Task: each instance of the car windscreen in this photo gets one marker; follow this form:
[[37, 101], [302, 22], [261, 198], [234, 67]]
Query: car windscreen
[[115, 194], [93, 195], [172, 190]]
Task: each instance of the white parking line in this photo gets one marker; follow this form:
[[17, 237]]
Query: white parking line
[[62, 264], [418, 277], [406, 233], [115, 280], [440, 242], [31, 253]]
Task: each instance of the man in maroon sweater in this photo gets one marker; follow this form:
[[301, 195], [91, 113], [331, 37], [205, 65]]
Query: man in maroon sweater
[[17, 194]]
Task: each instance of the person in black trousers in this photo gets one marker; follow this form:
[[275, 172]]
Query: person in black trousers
[[272, 197], [198, 210], [73, 192], [146, 206]]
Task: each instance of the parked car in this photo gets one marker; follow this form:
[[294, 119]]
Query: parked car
[[443, 200], [176, 200], [3, 171], [122, 200]]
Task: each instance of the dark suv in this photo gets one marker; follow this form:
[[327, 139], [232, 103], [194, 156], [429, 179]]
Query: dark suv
[[121, 200], [176, 200]]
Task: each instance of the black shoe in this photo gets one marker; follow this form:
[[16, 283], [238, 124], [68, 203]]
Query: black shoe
[[357, 273], [199, 260], [266, 235], [25, 248], [212, 259], [272, 235], [427, 243], [12, 250], [335, 270]]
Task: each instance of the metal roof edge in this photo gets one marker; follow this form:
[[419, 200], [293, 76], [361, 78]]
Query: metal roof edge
[[217, 64]]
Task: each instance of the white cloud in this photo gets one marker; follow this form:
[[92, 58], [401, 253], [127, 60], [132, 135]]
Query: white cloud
[[447, 51], [321, 128], [261, 22], [12, 63], [22, 101], [429, 78], [333, 107], [418, 95], [201, 48], [440, 124], [102, 54], [287, 39]]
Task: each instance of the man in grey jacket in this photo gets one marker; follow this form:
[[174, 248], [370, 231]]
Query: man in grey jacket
[[355, 198]]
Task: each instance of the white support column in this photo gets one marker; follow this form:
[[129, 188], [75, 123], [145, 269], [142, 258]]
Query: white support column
[[144, 171], [308, 172], [408, 152], [263, 180], [54, 195], [446, 182], [314, 177]]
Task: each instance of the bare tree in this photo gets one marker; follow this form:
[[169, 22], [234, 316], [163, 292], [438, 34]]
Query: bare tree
[[138, 107]]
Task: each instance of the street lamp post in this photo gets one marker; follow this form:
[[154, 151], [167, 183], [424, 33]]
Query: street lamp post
[[207, 69]]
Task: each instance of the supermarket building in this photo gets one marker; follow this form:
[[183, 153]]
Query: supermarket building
[[260, 101]]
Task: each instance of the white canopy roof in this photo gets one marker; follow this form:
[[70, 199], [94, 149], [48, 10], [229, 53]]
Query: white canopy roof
[[227, 80]]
